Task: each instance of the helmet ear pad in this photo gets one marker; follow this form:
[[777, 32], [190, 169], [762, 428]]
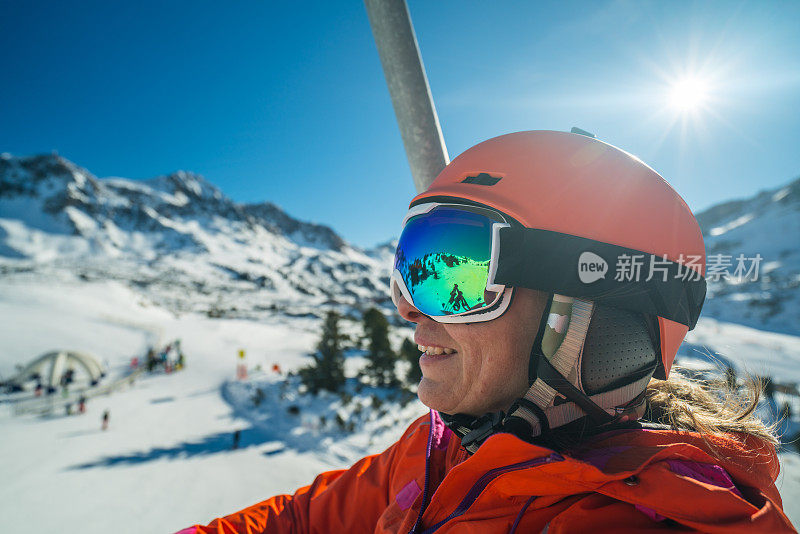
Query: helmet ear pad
[[621, 347]]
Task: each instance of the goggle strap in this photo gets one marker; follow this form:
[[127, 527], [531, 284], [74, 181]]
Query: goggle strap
[[537, 343], [549, 261]]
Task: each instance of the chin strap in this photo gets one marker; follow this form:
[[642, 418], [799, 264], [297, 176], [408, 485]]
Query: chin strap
[[556, 397]]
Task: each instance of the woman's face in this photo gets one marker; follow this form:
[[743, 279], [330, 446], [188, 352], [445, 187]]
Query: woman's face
[[485, 365]]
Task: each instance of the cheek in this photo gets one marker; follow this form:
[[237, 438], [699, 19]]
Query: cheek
[[502, 380], [513, 367], [500, 369], [491, 362]]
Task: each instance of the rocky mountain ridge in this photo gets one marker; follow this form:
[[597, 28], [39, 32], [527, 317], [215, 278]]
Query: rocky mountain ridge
[[178, 239]]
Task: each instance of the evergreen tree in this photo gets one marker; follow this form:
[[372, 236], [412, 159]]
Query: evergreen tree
[[327, 371], [379, 352], [410, 353]]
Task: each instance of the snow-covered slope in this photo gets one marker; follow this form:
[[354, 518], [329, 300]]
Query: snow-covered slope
[[768, 225], [166, 460], [178, 241]]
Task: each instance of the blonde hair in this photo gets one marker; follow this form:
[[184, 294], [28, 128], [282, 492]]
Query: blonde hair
[[710, 408]]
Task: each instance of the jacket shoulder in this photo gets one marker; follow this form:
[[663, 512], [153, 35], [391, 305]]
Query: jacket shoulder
[[692, 479]]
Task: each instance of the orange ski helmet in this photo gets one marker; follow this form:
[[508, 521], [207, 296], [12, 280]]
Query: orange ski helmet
[[579, 186]]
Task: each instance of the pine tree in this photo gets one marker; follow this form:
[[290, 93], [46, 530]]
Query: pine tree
[[379, 352], [327, 371], [410, 353]]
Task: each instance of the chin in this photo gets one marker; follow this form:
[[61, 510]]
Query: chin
[[435, 395]]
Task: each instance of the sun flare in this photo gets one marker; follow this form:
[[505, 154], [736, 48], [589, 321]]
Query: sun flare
[[688, 94]]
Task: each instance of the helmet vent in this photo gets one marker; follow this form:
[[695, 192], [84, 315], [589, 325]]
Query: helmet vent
[[618, 350], [481, 179], [581, 131]]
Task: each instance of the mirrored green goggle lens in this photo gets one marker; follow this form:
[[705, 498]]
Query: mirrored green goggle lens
[[443, 257]]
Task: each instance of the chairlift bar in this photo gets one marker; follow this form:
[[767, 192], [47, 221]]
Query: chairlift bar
[[409, 89]]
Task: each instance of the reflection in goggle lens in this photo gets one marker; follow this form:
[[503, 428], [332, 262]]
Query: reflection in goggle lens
[[443, 257]]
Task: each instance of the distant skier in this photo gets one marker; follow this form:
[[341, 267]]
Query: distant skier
[[106, 416], [236, 437], [82, 404], [151, 360]]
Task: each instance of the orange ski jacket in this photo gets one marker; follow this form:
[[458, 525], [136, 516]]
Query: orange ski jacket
[[634, 480]]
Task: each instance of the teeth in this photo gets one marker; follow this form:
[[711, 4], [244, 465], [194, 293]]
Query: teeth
[[435, 351]]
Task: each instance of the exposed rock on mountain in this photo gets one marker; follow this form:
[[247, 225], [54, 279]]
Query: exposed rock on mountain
[[178, 239]]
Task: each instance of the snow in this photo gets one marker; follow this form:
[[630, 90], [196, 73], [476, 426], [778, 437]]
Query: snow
[[165, 461], [744, 219], [788, 484], [750, 350], [30, 210], [22, 241], [163, 464], [781, 194], [82, 222]]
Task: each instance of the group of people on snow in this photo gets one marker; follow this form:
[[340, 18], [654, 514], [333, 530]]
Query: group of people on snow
[[170, 358]]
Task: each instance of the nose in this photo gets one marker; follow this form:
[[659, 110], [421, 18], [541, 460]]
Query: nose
[[407, 310]]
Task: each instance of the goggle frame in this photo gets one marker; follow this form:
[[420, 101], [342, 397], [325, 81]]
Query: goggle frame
[[504, 293]]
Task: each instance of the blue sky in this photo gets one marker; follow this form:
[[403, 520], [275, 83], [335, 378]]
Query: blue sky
[[286, 102]]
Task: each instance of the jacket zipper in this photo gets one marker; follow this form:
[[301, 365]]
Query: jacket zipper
[[427, 475], [474, 492]]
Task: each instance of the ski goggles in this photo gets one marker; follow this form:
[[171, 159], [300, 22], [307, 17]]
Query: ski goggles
[[446, 261], [458, 264]]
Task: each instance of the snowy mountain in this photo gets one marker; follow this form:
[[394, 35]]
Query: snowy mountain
[[178, 240], [768, 224], [181, 243]]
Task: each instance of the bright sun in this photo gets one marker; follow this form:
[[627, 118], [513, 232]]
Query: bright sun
[[688, 94]]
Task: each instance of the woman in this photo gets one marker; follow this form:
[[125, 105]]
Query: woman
[[551, 406]]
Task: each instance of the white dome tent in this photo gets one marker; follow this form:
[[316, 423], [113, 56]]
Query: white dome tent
[[51, 366]]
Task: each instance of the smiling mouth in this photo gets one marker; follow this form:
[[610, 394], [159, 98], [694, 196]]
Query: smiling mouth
[[435, 351]]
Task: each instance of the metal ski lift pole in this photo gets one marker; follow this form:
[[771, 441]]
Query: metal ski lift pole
[[408, 88]]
